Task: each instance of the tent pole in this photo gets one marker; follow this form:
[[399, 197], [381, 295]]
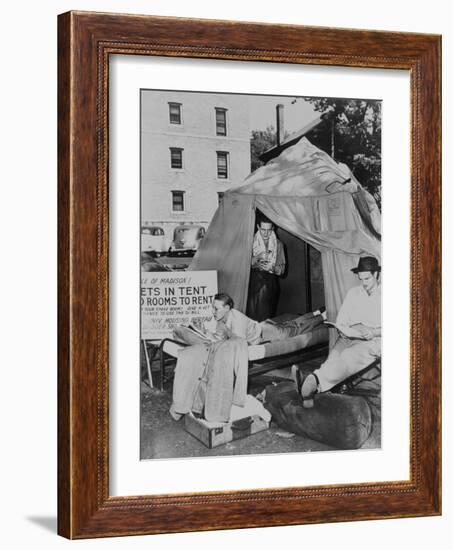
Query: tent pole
[[308, 302]]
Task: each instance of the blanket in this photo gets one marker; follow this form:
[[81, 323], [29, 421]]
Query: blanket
[[210, 378]]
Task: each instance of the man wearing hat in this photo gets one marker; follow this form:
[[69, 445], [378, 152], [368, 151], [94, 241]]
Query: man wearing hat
[[359, 326]]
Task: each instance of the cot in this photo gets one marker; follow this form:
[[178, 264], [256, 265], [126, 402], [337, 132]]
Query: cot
[[263, 357]]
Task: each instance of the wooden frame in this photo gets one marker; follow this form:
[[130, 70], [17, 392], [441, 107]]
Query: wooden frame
[[86, 40]]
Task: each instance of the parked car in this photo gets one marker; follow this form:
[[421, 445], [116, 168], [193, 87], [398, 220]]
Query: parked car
[[153, 240], [186, 239], [149, 264]]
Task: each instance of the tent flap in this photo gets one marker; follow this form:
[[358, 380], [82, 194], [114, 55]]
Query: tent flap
[[227, 247]]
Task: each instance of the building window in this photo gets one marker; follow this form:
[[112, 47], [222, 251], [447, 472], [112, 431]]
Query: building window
[[220, 121], [176, 157], [220, 197], [177, 201], [222, 165], [175, 113]]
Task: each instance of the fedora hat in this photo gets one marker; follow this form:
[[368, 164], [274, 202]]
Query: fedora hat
[[367, 263]]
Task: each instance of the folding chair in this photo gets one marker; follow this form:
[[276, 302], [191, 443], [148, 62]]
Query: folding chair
[[351, 385]]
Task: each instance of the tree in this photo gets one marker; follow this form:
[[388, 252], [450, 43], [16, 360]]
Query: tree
[[357, 137], [260, 141]]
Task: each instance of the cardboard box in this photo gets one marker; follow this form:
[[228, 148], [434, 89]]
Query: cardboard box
[[213, 436]]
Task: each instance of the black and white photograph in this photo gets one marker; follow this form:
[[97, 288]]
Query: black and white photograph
[[234, 218], [260, 274]]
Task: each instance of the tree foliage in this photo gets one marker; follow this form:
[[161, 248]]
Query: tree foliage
[[260, 141], [357, 137]]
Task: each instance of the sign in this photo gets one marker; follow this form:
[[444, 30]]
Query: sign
[[171, 298]]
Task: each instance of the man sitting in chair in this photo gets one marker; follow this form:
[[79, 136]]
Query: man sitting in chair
[[359, 343]]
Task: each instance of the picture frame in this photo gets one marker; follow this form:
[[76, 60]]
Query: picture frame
[[85, 507]]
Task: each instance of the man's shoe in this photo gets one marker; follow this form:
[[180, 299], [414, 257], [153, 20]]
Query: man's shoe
[[308, 390], [321, 311], [307, 387]]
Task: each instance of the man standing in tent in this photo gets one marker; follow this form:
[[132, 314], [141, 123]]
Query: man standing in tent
[[359, 343], [268, 263]]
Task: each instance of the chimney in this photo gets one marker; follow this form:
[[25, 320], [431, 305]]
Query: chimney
[[280, 124]]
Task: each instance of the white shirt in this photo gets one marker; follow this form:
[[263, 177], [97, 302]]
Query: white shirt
[[361, 307], [244, 327]]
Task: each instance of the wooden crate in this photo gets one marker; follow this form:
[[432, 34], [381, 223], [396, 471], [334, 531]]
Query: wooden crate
[[219, 435]]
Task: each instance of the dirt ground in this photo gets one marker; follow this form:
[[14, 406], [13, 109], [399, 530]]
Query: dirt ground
[[163, 437]]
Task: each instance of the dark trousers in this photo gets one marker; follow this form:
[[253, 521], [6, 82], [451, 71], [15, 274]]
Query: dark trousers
[[263, 295], [273, 331]]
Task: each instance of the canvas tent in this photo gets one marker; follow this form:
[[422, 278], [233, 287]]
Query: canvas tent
[[309, 195]]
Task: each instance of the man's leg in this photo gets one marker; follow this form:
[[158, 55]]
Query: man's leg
[[345, 359], [318, 379], [262, 295], [334, 363], [287, 329], [306, 323]]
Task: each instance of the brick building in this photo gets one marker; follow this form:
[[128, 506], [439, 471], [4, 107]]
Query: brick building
[[194, 146]]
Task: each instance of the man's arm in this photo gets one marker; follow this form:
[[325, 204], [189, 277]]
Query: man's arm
[[258, 261], [280, 261], [367, 333], [349, 327]]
